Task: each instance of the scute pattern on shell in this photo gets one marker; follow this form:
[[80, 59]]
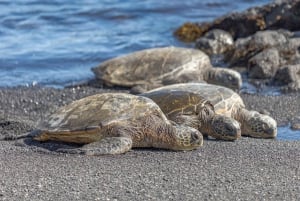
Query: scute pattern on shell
[[175, 102], [224, 99], [152, 66], [101, 110]]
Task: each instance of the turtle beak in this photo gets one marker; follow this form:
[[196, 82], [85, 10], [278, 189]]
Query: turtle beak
[[196, 139], [239, 85], [272, 133]]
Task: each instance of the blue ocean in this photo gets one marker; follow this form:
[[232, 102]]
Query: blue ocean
[[55, 43]]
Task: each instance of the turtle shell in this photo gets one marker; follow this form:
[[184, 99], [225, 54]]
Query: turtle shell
[[224, 100], [173, 102], [100, 110], [153, 66]]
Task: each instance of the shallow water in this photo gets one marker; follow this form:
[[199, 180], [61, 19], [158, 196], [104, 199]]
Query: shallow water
[[286, 133], [55, 43]]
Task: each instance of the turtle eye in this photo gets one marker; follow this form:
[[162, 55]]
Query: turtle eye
[[195, 136], [228, 128], [230, 77], [264, 126]]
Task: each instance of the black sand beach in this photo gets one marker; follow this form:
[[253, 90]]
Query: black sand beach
[[248, 169]]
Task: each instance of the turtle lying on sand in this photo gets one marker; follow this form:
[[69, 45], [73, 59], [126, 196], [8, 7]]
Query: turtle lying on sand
[[229, 103], [191, 109], [156, 67], [113, 123]]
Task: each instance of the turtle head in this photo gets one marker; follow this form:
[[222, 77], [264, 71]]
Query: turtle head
[[225, 77], [225, 128], [187, 138], [259, 126]]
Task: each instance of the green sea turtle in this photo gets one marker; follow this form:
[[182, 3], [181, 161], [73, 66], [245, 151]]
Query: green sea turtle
[[229, 103], [147, 69], [191, 109], [113, 123]]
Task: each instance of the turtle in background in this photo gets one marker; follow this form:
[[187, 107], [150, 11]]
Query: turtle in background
[[227, 102], [151, 68], [113, 123], [193, 110]]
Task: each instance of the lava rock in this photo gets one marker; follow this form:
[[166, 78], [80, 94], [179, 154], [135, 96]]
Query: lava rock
[[295, 126], [276, 15], [287, 74], [215, 41], [246, 48], [264, 64]]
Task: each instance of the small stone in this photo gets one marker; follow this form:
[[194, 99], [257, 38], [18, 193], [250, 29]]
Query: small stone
[[295, 126]]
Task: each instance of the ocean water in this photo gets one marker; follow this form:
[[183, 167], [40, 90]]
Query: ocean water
[[286, 133], [55, 43]]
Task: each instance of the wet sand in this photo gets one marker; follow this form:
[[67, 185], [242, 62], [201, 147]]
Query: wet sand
[[247, 169]]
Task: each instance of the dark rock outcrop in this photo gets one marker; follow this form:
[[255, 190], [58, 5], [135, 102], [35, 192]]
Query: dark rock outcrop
[[277, 15], [265, 64]]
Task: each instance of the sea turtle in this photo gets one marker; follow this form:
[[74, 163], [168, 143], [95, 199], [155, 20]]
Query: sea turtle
[[191, 109], [229, 103], [113, 123], [147, 69]]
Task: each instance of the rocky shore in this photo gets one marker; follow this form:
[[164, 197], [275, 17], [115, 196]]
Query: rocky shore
[[263, 41], [247, 169]]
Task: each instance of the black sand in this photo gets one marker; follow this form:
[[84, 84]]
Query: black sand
[[248, 169]]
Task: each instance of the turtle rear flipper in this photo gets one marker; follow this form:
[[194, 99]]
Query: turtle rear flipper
[[79, 136], [109, 145]]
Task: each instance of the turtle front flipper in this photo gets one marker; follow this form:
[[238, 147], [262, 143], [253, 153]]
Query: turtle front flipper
[[224, 77], [109, 145], [137, 89]]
